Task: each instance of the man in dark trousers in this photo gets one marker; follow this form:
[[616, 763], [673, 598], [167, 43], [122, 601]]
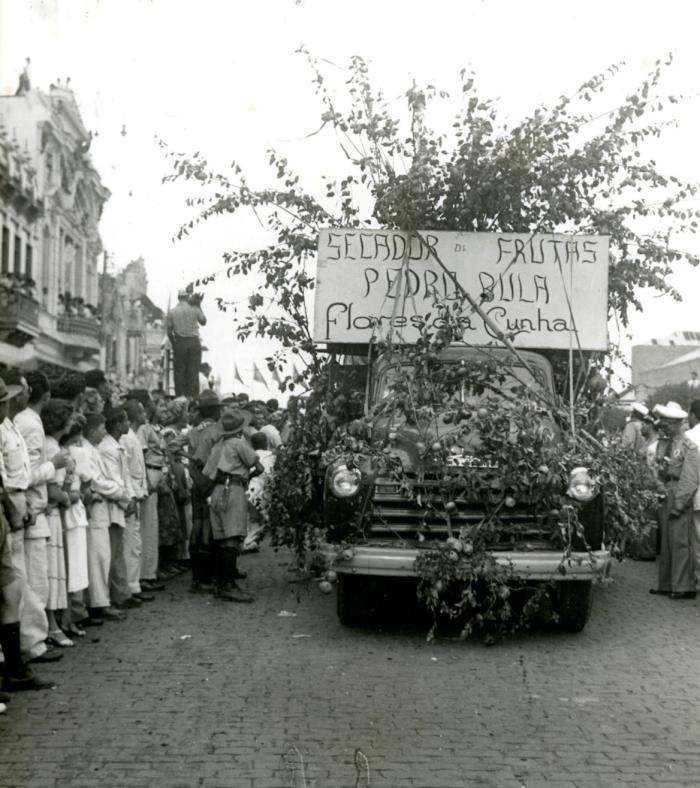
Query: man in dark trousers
[[182, 325], [678, 468]]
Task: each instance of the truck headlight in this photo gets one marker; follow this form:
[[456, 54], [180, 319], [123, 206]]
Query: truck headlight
[[345, 482], [582, 486]]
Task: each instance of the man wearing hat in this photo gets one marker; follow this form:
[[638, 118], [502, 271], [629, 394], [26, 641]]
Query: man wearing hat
[[14, 478], [182, 326], [678, 466], [632, 435], [201, 440], [231, 464], [694, 434]]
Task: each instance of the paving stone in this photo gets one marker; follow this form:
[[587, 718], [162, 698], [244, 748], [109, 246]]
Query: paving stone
[[613, 706]]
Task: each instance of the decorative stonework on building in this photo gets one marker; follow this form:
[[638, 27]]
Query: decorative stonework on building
[[133, 329], [51, 201]]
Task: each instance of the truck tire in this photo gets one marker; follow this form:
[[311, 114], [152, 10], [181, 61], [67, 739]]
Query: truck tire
[[574, 604], [352, 600]]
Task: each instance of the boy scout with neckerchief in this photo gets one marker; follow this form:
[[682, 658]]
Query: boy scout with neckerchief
[[231, 464]]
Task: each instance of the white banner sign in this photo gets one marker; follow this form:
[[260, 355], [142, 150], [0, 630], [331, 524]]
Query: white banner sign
[[537, 289]]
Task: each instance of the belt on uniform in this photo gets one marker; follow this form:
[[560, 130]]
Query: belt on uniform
[[228, 478], [154, 467]]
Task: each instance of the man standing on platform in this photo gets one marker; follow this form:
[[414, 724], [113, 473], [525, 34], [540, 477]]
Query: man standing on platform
[[182, 325]]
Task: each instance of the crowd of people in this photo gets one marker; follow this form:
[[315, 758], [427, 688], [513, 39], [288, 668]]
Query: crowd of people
[[105, 498], [668, 439]]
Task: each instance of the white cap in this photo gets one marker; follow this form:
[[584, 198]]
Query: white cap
[[671, 410], [640, 409]]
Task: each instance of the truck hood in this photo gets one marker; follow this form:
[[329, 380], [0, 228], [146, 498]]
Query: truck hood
[[411, 441]]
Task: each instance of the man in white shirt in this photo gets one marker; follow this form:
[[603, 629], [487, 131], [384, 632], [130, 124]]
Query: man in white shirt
[[13, 584], [23, 475], [114, 462], [136, 468], [104, 492], [694, 434], [42, 470]]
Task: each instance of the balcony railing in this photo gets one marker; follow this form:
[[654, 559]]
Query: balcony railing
[[19, 317], [78, 325]]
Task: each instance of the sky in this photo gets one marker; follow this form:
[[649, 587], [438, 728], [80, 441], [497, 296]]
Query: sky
[[223, 78]]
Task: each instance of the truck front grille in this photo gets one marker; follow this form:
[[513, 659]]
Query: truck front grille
[[423, 511]]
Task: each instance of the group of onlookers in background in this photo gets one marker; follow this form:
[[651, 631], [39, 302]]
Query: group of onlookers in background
[[668, 440], [105, 499]]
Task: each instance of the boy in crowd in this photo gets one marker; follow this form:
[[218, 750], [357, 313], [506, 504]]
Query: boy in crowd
[[231, 464], [106, 492], [114, 463], [136, 469]]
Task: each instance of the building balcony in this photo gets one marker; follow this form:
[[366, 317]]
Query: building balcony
[[79, 325], [79, 334], [19, 317]]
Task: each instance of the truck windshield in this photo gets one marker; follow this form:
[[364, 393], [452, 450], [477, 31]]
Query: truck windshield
[[400, 377]]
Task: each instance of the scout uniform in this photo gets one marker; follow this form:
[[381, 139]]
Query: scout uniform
[[229, 467], [202, 439], [678, 463]]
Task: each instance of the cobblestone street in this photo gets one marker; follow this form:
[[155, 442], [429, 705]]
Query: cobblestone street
[[192, 692]]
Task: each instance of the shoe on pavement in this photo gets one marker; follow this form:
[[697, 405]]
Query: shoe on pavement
[[108, 614], [129, 603], [91, 621], [152, 585], [659, 591], [144, 597], [201, 588], [57, 637], [233, 595], [27, 682], [5, 697], [682, 595], [50, 655]]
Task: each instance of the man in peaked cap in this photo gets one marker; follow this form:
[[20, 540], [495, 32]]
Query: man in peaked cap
[[632, 435], [678, 466], [694, 434]]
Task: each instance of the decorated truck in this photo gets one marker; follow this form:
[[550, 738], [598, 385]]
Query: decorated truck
[[466, 455]]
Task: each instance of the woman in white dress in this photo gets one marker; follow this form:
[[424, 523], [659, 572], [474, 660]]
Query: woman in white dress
[[75, 523], [56, 417]]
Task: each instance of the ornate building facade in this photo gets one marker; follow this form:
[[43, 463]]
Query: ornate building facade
[[133, 329], [51, 201]]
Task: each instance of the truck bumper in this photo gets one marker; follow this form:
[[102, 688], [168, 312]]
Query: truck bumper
[[392, 561]]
